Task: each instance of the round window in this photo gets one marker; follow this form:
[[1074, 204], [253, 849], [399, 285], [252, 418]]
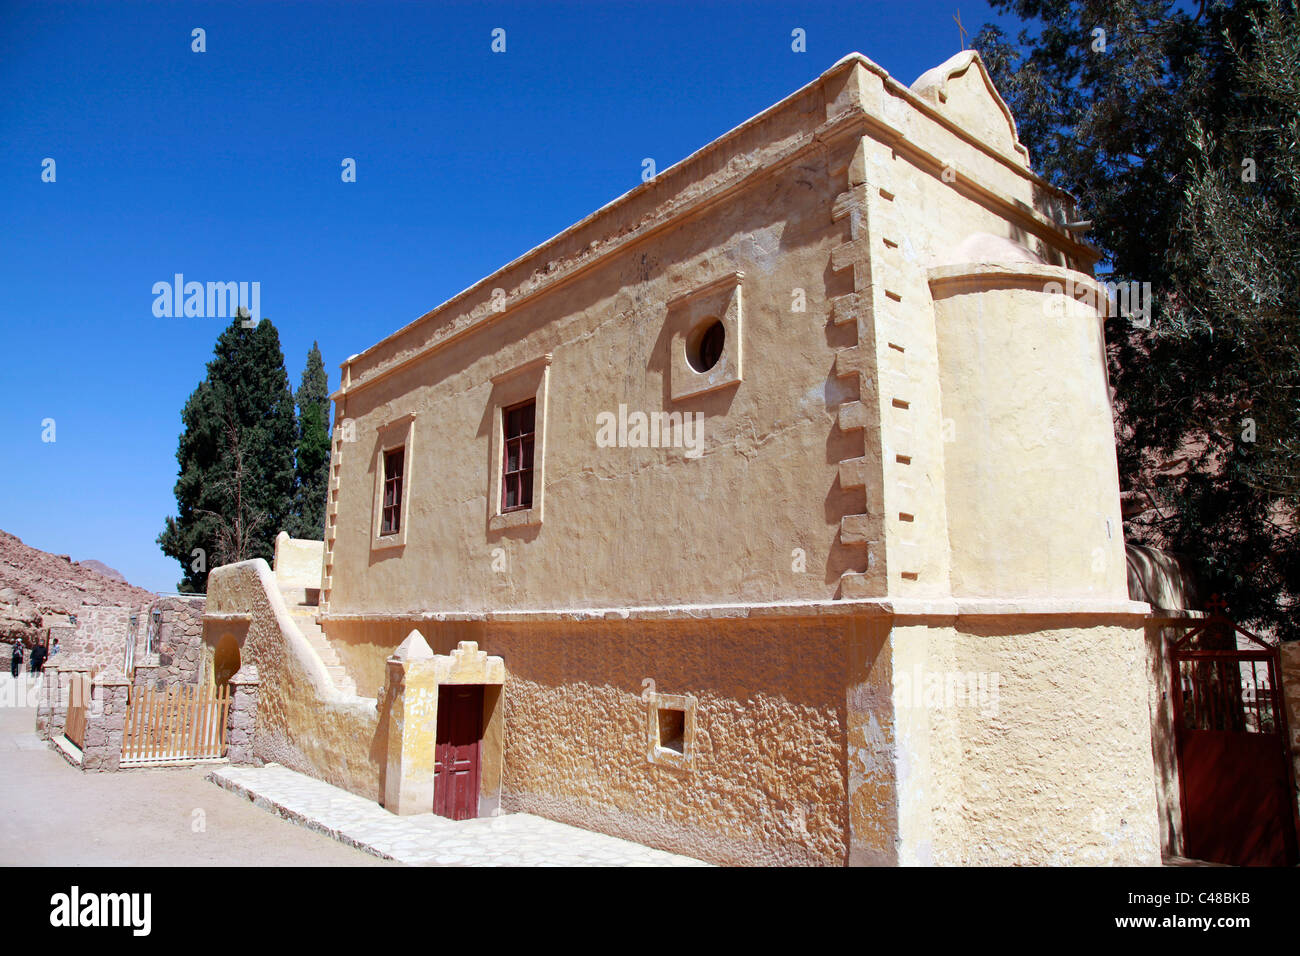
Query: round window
[[704, 347]]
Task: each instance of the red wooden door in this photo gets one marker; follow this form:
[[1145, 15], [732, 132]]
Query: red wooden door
[[460, 746]]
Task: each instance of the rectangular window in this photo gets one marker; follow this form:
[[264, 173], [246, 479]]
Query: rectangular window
[[392, 514], [518, 424]]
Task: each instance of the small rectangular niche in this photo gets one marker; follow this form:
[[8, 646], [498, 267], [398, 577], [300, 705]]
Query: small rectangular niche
[[670, 738], [672, 729]]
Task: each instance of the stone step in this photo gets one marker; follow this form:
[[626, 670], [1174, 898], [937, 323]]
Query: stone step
[[305, 619], [328, 656]]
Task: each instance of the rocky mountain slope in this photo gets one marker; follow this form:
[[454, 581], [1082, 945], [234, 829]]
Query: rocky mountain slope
[[38, 589]]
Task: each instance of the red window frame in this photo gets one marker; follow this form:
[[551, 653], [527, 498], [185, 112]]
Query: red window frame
[[519, 430], [391, 515]]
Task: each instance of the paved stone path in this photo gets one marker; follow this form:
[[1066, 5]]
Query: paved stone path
[[52, 814], [515, 839]]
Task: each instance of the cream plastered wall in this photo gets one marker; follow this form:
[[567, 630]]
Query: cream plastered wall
[[1053, 769], [1166, 582], [1032, 481], [767, 783], [621, 525], [297, 561], [794, 200], [818, 742]]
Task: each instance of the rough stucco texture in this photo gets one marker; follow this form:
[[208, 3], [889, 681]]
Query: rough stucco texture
[[768, 782]]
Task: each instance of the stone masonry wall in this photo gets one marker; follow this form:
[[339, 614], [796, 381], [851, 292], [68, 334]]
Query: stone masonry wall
[[243, 717], [98, 639], [178, 645], [105, 724]]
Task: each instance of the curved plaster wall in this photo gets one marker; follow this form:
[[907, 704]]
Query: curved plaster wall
[[303, 722], [1032, 482]]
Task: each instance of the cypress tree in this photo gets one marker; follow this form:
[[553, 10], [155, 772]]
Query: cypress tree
[[236, 480], [313, 458]]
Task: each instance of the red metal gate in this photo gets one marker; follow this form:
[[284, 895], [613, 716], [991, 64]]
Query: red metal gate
[[460, 745], [1234, 766]]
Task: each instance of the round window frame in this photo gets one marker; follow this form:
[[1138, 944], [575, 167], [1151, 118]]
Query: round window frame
[[695, 343]]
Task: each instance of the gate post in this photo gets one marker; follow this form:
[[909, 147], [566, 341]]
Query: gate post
[[1289, 678], [144, 674], [412, 727], [105, 723], [47, 703], [242, 720]]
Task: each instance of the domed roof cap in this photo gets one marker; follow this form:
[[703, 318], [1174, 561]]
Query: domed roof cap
[[984, 247]]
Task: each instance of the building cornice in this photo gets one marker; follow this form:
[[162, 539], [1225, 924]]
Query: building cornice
[[899, 610], [854, 119]]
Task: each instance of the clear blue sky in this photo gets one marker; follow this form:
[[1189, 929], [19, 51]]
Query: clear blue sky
[[225, 165]]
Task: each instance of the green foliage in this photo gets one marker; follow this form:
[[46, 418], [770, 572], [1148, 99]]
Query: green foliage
[[236, 480], [311, 480], [1150, 134]]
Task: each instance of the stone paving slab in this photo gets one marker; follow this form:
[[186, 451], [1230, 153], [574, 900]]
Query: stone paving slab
[[515, 839]]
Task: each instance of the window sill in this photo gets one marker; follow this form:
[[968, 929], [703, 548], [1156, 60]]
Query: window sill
[[388, 542], [515, 519], [665, 757]]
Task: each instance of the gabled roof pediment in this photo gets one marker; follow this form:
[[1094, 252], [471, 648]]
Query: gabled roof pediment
[[961, 88]]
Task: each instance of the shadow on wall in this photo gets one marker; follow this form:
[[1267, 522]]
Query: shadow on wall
[[1165, 581], [225, 661]]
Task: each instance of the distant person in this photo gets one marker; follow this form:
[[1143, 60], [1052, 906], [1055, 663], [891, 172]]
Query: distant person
[[36, 662], [54, 648], [16, 662]]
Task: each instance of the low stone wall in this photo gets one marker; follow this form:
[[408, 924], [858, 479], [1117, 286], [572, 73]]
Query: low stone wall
[[109, 703], [52, 699]]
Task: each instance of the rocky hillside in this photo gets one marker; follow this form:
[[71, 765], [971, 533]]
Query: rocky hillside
[[38, 589]]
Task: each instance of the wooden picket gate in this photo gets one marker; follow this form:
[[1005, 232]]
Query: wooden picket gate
[[175, 725], [78, 707]]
